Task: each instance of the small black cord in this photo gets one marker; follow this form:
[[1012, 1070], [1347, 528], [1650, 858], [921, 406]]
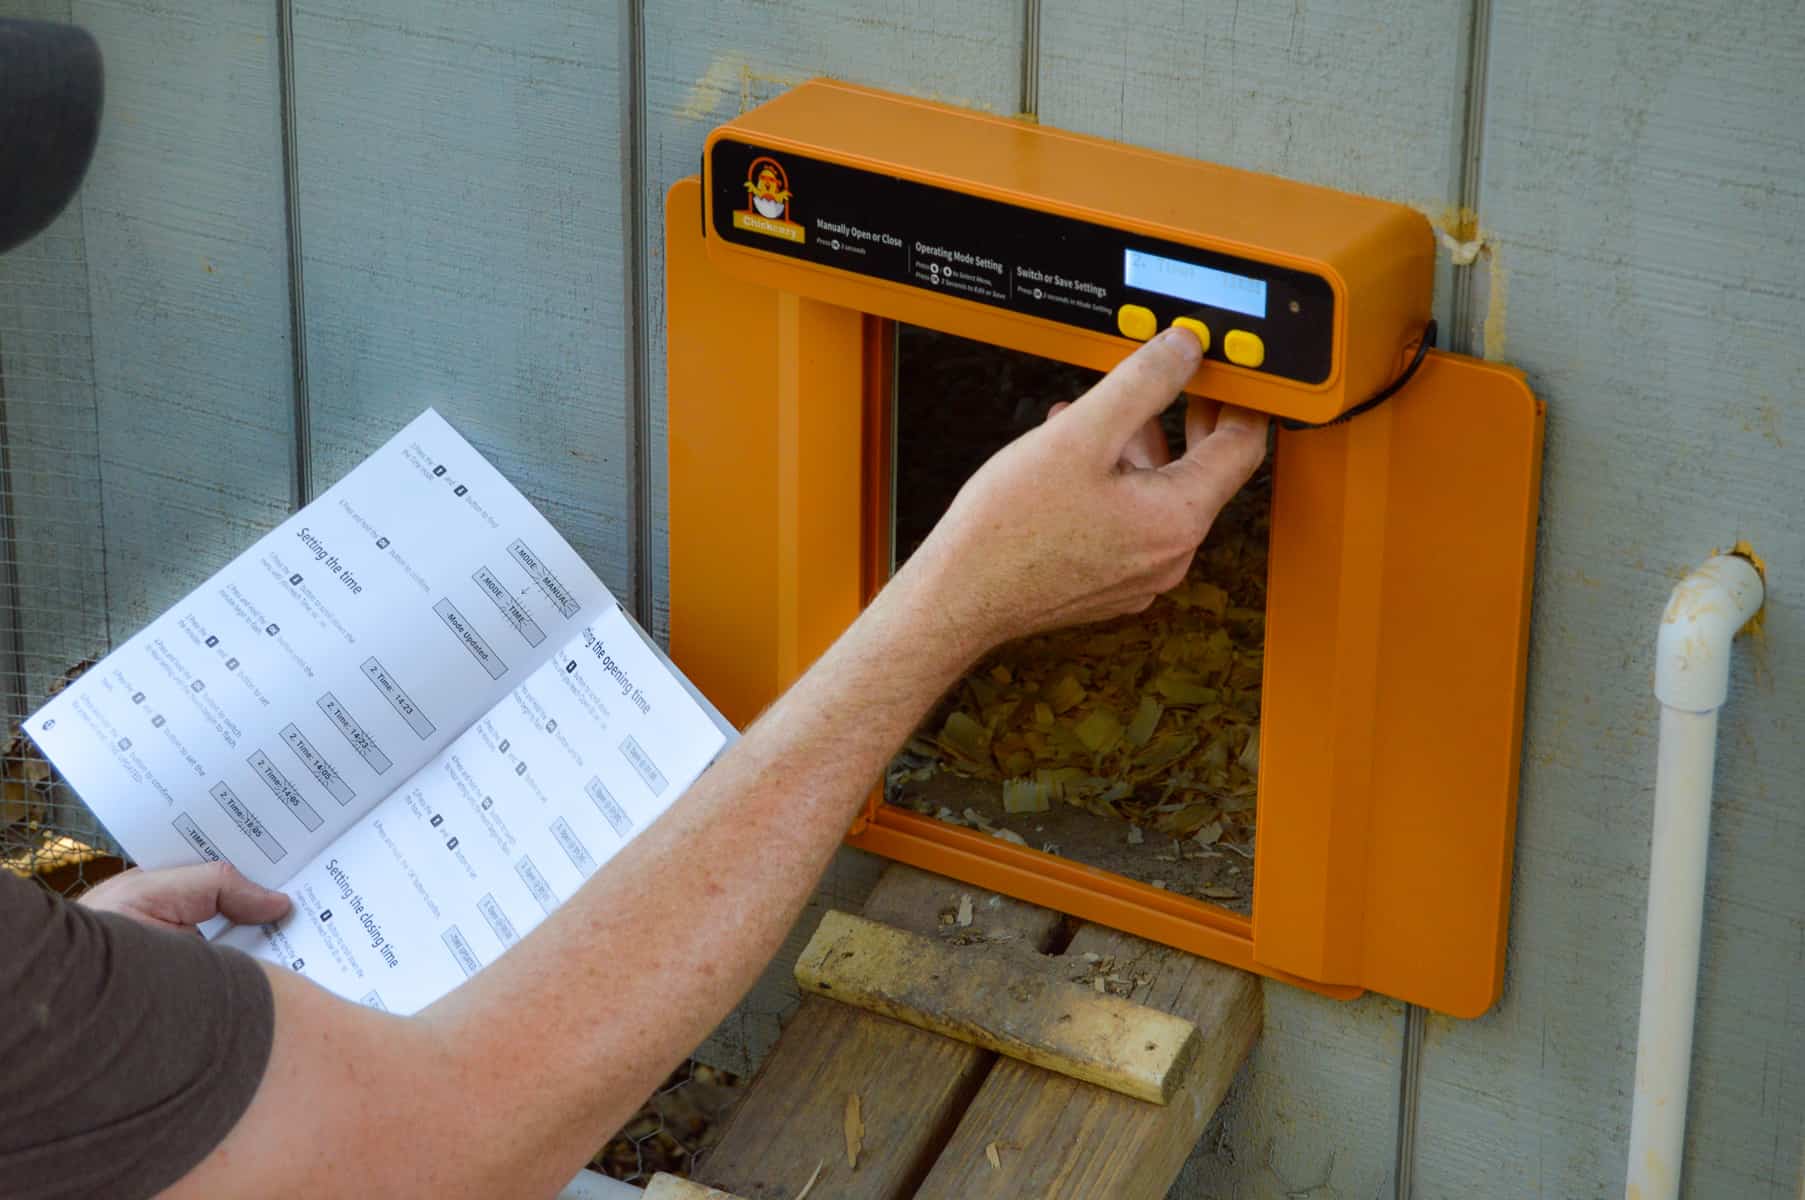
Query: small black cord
[[1385, 393]]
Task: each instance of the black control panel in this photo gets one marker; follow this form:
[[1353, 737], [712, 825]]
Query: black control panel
[[1058, 268]]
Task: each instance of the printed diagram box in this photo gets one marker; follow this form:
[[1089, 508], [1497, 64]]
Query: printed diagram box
[[247, 822], [402, 703], [317, 766], [580, 858], [510, 608], [616, 816], [461, 952], [197, 838], [539, 573], [642, 762], [497, 919], [535, 883], [361, 741], [284, 790], [470, 639]]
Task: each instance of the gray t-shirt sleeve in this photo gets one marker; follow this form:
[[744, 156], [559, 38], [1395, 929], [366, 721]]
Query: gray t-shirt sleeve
[[126, 1053]]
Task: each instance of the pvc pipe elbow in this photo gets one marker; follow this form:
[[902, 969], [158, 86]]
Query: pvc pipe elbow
[[1692, 651]]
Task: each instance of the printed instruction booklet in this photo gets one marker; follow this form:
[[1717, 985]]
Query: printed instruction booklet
[[412, 707]]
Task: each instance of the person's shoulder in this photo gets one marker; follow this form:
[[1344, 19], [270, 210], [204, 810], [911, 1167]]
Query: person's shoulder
[[22, 898]]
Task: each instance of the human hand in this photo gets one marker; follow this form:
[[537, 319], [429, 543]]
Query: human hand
[[1087, 516], [183, 897]]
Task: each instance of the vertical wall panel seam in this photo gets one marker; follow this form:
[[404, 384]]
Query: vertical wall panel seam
[[635, 262], [1460, 339], [1472, 147], [302, 479], [12, 656], [79, 207], [1030, 100], [1410, 1074], [100, 458]]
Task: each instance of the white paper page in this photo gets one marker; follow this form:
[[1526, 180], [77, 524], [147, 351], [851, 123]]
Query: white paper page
[[259, 718], [499, 829]]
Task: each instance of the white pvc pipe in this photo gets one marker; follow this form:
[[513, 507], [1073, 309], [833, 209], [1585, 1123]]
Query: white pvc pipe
[[1692, 676], [1676, 907]]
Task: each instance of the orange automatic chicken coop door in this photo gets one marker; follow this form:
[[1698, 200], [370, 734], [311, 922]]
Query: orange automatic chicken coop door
[[1399, 560]]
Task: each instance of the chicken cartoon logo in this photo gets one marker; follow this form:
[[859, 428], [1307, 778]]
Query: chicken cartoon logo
[[769, 190], [767, 208]]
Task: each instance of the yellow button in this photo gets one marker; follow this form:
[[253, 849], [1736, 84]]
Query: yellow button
[[1136, 322], [1244, 349], [1195, 326]]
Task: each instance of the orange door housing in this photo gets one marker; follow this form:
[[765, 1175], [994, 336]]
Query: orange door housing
[[1402, 540]]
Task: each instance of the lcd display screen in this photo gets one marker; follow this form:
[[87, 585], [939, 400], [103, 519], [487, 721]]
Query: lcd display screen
[[1199, 285]]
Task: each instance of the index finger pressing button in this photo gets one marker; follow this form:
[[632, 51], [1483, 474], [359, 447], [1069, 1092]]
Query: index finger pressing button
[[1195, 326]]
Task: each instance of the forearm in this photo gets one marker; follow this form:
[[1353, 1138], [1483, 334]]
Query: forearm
[[645, 960], [509, 1083], [504, 1086]]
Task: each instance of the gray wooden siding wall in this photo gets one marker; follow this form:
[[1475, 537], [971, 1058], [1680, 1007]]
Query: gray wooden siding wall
[[1638, 174]]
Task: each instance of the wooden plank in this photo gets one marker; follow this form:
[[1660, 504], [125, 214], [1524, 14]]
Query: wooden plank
[[1000, 1002], [461, 221], [670, 1187], [1033, 1133], [1348, 95], [1642, 185], [187, 263], [911, 1084], [709, 59]]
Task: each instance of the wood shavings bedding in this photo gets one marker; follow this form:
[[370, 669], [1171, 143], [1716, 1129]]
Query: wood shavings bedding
[[1147, 726]]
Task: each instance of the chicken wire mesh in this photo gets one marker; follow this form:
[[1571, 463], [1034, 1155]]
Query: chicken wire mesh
[[675, 1127], [53, 616]]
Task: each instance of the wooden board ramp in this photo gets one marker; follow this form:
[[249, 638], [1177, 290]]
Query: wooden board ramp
[[959, 1057], [1033, 1013], [670, 1187]]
